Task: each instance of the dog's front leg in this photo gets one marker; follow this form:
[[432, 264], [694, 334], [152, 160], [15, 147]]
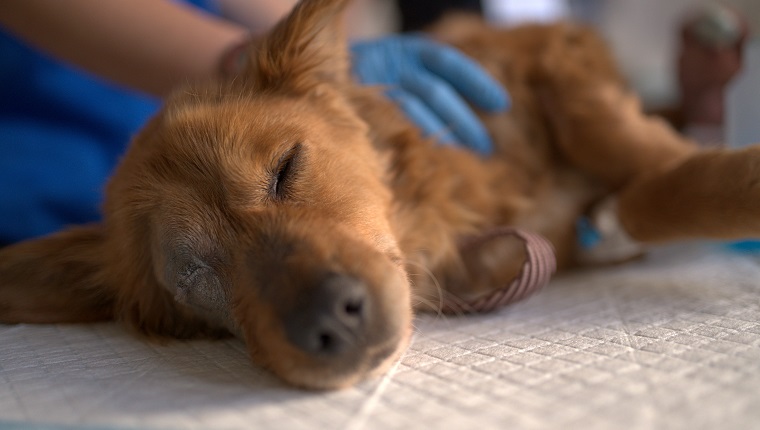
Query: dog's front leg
[[712, 194]]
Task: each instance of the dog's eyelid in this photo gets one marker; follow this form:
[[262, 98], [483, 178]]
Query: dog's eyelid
[[282, 174], [290, 153]]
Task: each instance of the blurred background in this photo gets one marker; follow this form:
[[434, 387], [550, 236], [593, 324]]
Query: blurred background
[[680, 56]]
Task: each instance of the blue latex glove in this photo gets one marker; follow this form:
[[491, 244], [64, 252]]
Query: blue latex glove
[[426, 79]]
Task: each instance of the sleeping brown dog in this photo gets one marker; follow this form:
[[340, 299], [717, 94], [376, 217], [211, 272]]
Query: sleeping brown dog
[[304, 214]]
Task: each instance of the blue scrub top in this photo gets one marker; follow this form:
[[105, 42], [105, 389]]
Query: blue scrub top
[[62, 131]]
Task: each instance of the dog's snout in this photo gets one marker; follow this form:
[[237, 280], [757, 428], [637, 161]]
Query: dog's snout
[[332, 317]]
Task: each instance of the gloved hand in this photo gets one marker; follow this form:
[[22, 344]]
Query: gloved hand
[[426, 79]]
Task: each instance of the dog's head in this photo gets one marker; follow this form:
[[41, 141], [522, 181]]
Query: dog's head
[[257, 205]]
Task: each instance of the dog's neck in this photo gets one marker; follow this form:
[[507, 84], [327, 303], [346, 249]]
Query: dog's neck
[[441, 193]]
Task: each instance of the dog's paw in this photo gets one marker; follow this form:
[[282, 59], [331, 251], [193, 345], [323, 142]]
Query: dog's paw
[[504, 265]]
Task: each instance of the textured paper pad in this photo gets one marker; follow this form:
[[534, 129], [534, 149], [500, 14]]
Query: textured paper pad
[[672, 342]]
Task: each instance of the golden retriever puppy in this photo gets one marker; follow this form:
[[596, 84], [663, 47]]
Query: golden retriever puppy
[[303, 213]]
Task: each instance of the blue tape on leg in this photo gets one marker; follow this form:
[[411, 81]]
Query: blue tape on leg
[[588, 235]]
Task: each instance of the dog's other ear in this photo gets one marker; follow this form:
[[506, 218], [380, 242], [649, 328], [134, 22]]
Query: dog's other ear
[[56, 279], [304, 50]]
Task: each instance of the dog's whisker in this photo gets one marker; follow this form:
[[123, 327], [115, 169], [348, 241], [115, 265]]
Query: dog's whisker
[[428, 304], [437, 302]]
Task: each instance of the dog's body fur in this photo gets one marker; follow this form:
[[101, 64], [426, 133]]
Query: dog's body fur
[[250, 206]]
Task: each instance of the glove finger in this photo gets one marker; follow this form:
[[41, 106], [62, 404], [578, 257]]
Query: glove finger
[[467, 76], [444, 101], [378, 61], [424, 118]]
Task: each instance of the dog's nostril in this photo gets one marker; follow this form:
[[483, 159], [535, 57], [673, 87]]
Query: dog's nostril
[[326, 342], [332, 318], [349, 300], [354, 307]]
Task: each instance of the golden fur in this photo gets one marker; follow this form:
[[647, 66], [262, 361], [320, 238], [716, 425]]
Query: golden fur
[[243, 201]]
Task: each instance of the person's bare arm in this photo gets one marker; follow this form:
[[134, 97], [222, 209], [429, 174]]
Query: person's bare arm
[[256, 15], [260, 15], [150, 45]]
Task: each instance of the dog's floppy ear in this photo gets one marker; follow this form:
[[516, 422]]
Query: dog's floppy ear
[[304, 50], [56, 279]]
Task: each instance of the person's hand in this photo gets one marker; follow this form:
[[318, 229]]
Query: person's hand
[[426, 79]]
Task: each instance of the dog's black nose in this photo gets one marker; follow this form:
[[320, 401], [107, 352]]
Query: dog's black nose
[[331, 318]]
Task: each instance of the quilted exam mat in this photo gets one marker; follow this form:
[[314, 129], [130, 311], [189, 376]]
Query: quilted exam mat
[[671, 342]]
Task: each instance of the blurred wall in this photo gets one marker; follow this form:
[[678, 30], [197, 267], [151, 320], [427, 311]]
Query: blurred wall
[[643, 33]]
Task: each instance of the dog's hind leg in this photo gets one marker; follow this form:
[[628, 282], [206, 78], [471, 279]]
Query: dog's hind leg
[[597, 124], [602, 130], [667, 187]]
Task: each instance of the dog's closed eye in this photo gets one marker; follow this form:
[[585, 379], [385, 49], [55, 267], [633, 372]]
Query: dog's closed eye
[[284, 173]]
